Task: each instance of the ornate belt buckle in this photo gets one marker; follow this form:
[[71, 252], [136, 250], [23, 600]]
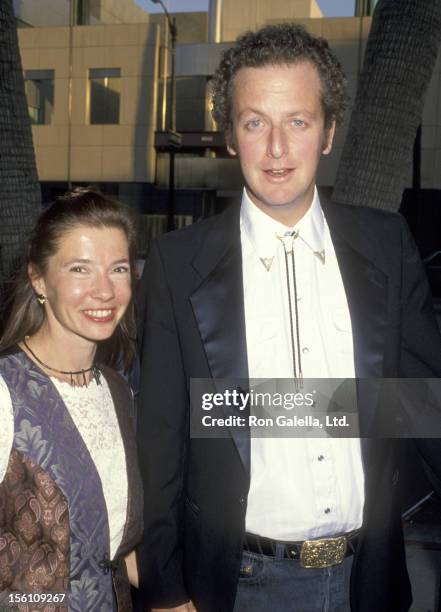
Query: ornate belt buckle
[[323, 553]]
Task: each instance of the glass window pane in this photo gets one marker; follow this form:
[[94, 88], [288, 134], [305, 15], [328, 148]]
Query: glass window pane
[[104, 87], [39, 87]]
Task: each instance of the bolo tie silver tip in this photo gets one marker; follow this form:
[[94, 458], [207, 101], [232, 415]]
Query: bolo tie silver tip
[[267, 262], [321, 255]]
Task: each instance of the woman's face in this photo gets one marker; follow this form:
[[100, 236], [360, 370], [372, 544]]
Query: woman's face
[[86, 284]]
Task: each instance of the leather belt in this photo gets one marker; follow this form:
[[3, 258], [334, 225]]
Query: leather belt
[[323, 552]]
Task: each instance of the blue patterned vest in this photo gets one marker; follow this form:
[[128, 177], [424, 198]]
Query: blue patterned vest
[[53, 516]]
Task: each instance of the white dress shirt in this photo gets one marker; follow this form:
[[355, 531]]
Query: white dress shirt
[[301, 488]]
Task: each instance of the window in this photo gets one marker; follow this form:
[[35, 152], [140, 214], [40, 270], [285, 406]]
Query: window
[[364, 7], [191, 103], [39, 86], [87, 12], [104, 94]]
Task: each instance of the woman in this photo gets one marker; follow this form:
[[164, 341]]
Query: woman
[[70, 492]]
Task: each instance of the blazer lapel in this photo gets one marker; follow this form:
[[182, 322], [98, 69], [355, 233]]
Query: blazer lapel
[[218, 306], [366, 286]]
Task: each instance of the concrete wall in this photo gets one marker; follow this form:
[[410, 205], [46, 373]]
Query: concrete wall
[[56, 13], [72, 149], [47, 13], [120, 11], [240, 16], [192, 27]]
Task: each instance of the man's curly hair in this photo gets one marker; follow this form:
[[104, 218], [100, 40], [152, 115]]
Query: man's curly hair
[[285, 43]]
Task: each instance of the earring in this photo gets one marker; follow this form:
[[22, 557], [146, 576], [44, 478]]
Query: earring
[[41, 298]]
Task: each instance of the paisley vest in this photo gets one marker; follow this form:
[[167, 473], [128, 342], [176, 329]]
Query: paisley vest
[[54, 533]]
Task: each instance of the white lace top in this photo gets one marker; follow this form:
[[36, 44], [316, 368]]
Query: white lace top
[[92, 411]]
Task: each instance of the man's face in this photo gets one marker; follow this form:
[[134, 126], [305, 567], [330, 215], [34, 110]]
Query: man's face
[[279, 135]]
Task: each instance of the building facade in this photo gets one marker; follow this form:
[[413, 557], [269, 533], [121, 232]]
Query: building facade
[[100, 109]]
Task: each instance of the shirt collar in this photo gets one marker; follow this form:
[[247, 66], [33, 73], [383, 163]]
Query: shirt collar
[[262, 230]]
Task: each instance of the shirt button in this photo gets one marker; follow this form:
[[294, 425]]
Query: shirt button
[[241, 500], [305, 350], [320, 457], [327, 510]]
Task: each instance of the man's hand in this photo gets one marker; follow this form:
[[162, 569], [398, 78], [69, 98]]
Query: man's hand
[[187, 607]]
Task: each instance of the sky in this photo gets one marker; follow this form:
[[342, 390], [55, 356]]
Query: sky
[[330, 8]]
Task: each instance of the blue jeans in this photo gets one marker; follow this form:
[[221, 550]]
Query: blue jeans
[[276, 584]]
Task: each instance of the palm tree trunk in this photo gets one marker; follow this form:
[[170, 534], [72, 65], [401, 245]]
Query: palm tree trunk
[[20, 198], [400, 56]]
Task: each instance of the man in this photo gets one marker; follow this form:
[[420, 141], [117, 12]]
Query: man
[[282, 286]]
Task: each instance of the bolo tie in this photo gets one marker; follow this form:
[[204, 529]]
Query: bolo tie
[[291, 284]]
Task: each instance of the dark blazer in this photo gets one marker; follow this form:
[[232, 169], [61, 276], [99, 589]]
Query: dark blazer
[[196, 489]]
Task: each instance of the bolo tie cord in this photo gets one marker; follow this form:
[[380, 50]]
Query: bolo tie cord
[[296, 308], [295, 341]]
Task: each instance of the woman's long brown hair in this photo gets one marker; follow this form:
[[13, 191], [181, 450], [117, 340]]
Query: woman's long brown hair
[[86, 207]]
